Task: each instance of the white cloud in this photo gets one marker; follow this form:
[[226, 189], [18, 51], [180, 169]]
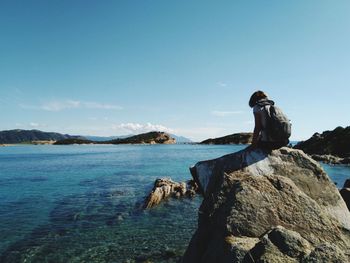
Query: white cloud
[[222, 84], [34, 124], [59, 105], [140, 128], [225, 113]]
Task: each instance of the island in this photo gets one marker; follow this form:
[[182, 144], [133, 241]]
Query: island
[[236, 138], [36, 137], [154, 137]]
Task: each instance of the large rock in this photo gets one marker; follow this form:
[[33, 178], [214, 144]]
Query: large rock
[[268, 207], [164, 188]]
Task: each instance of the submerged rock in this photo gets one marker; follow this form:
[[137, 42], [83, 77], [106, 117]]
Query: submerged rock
[[164, 188], [276, 207]]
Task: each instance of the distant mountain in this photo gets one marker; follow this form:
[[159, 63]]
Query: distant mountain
[[28, 136], [181, 139], [236, 138]]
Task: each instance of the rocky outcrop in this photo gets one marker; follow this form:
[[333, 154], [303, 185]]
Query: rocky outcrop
[[336, 143], [164, 188], [331, 159], [268, 207], [345, 193], [236, 138]]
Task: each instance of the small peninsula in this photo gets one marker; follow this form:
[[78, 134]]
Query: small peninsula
[[236, 138], [329, 147], [153, 137]]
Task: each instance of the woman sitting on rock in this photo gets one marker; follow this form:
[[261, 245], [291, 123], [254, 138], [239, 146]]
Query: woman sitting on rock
[[272, 128]]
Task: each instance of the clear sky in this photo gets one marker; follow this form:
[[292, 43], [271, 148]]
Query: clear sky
[[189, 67]]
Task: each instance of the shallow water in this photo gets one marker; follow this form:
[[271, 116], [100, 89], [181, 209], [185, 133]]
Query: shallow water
[[81, 203]]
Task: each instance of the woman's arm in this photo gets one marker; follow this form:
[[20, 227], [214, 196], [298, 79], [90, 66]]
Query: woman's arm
[[257, 128]]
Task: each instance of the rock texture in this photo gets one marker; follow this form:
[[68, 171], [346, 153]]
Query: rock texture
[[268, 207], [164, 188], [336, 143], [345, 193], [236, 138]]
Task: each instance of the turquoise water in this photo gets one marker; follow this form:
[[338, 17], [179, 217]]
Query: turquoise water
[[82, 203]]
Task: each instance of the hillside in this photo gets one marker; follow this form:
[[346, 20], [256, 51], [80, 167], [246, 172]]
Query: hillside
[[144, 138], [28, 136], [236, 138], [336, 142], [148, 138]]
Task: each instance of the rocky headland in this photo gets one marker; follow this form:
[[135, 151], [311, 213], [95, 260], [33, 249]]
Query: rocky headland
[[144, 138], [330, 146], [268, 207], [154, 137], [236, 138]]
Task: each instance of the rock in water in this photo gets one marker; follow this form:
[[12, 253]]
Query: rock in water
[[276, 207], [164, 188]]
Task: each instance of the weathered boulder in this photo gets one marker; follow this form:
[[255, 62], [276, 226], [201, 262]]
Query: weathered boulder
[[345, 193], [164, 188], [268, 207]]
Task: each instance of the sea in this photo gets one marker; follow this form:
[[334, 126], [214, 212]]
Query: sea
[[83, 203]]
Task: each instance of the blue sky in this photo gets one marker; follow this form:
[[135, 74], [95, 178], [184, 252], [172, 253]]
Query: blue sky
[[188, 67]]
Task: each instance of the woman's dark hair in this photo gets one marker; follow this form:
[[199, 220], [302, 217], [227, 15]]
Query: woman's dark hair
[[257, 95]]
